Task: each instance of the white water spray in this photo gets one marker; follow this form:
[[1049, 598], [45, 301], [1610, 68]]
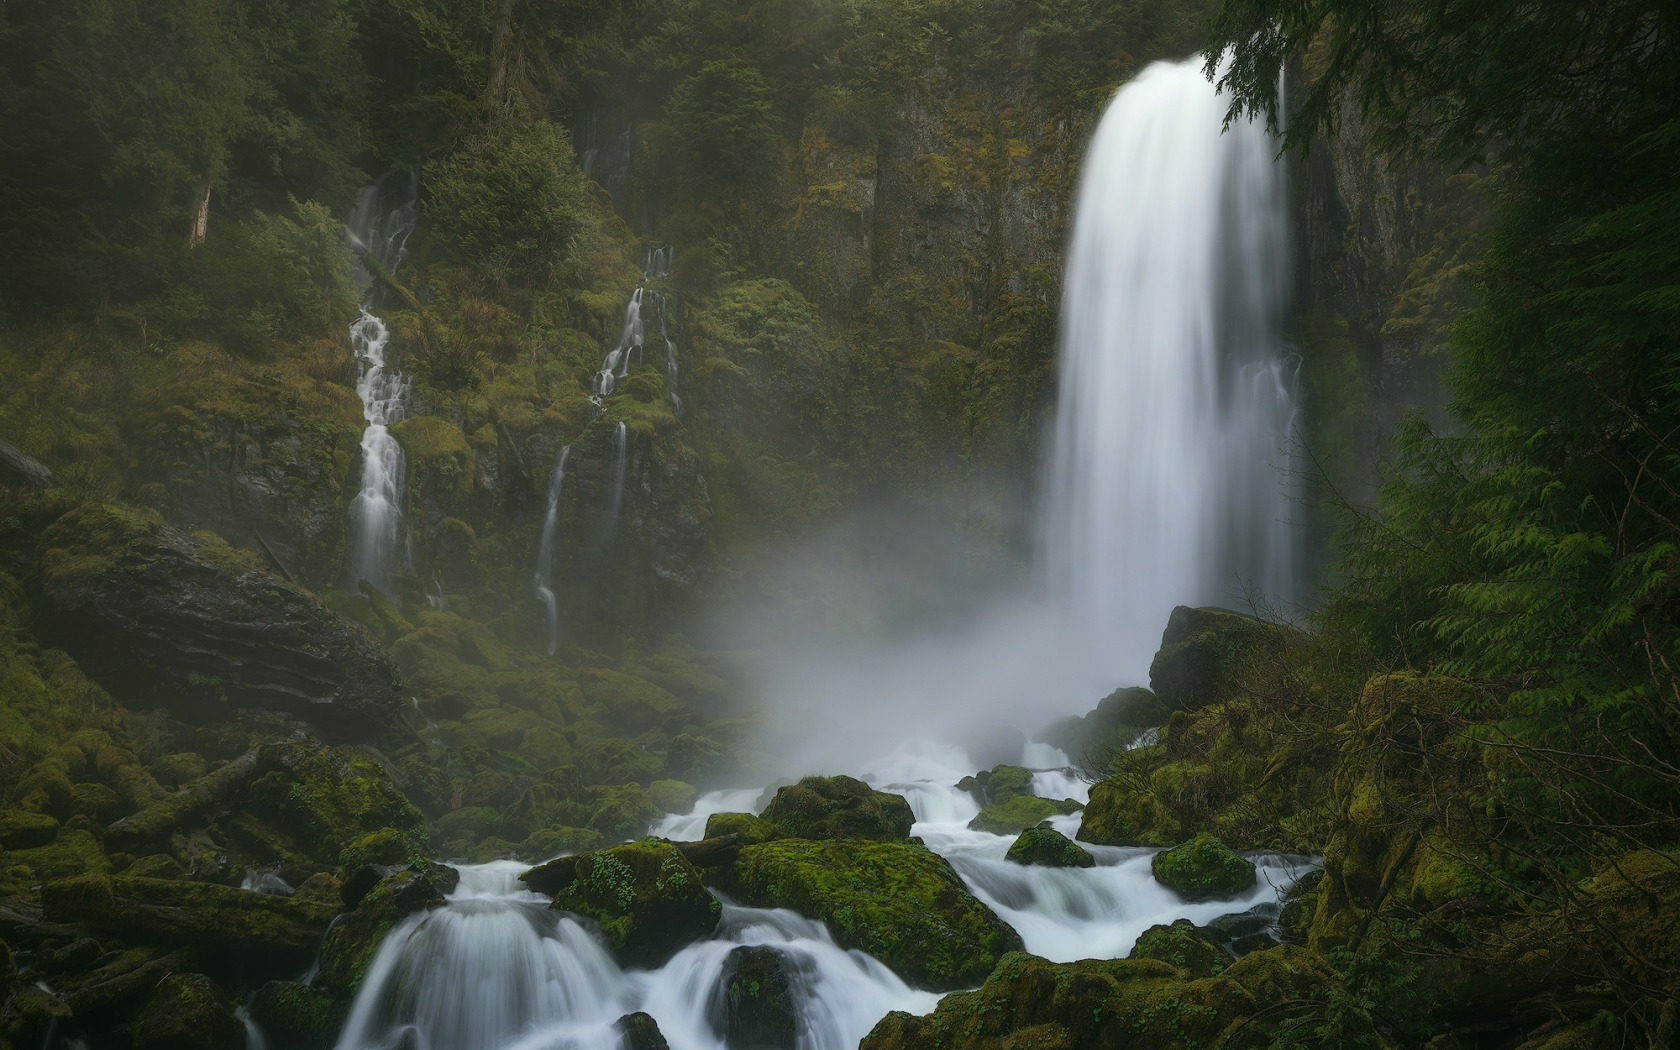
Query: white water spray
[[1169, 480]]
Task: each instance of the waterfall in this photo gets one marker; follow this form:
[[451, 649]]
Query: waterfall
[[379, 229], [543, 576], [615, 490], [1169, 481], [632, 339]]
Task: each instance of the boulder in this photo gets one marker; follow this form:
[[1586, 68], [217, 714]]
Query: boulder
[[277, 934], [188, 1012], [1109, 1004], [1115, 723], [182, 621], [1048, 848], [20, 829], [1205, 652], [838, 808], [1203, 869], [1020, 813], [752, 830], [1114, 815], [639, 1031], [294, 1016], [647, 897], [1184, 945], [350, 944], [755, 1007], [899, 902]]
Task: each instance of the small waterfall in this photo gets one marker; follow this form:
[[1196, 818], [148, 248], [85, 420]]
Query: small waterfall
[[615, 490], [542, 577], [632, 339], [379, 229], [1169, 481]]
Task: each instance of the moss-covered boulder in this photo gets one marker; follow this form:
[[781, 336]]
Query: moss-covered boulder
[[623, 812], [1205, 654], [188, 1012], [1114, 815], [646, 896], [1048, 848], [752, 830], [1203, 869], [639, 1031], [1125, 1004], [21, 829], [838, 808], [183, 621], [1182, 944], [899, 902], [758, 1008], [272, 933], [1019, 813], [1114, 724], [295, 1016], [349, 946]]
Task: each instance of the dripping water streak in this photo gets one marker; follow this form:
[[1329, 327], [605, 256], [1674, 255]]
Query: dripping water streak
[[543, 576]]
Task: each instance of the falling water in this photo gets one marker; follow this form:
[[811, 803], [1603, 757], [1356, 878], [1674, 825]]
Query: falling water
[[645, 303], [379, 229], [542, 577], [615, 489], [1169, 482]]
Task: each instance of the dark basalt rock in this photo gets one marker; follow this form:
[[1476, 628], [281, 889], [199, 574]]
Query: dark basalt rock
[[641, 1032], [182, 621], [350, 944], [839, 808], [1115, 723], [755, 1007], [1203, 653]]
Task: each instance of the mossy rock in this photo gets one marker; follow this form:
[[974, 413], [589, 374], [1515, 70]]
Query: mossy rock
[[1119, 1004], [1019, 813], [759, 1008], [646, 896], [20, 829], [623, 812], [1203, 869], [1114, 724], [839, 808], [1048, 848], [187, 1012], [552, 842], [1116, 815], [673, 796], [1205, 652], [1184, 945], [295, 1016], [899, 902], [752, 830], [349, 946], [639, 1031]]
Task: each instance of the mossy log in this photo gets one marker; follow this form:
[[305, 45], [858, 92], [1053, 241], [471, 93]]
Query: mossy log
[[208, 791]]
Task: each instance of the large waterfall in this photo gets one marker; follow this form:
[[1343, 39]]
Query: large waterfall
[[385, 215], [1169, 481]]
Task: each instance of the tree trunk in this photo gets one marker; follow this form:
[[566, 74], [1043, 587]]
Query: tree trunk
[[201, 217]]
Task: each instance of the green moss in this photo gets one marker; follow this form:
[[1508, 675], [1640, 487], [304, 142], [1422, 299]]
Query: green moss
[[1049, 848], [899, 902], [672, 796], [622, 812], [752, 830], [838, 808], [1203, 869], [646, 896], [1183, 945]]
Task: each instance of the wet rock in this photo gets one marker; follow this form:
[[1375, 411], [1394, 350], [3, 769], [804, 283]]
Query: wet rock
[[114, 990], [321, 888], [899, 902], [647, 897], [188, 1012], [838, 808], [1048, 848], [1204, 653], [1106, 1005], [246, 927], [640, 1031], [295, 1016], [29, 1016], [1114, 814], [1299, 903], [1020, 813], [756, 1008], [1184, 945], [184, 622], [349, 945], [1203, 869]]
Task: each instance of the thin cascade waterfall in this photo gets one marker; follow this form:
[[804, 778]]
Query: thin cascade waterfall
[[615, 490], [379, 228], [1169, 481], [543, 576]]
